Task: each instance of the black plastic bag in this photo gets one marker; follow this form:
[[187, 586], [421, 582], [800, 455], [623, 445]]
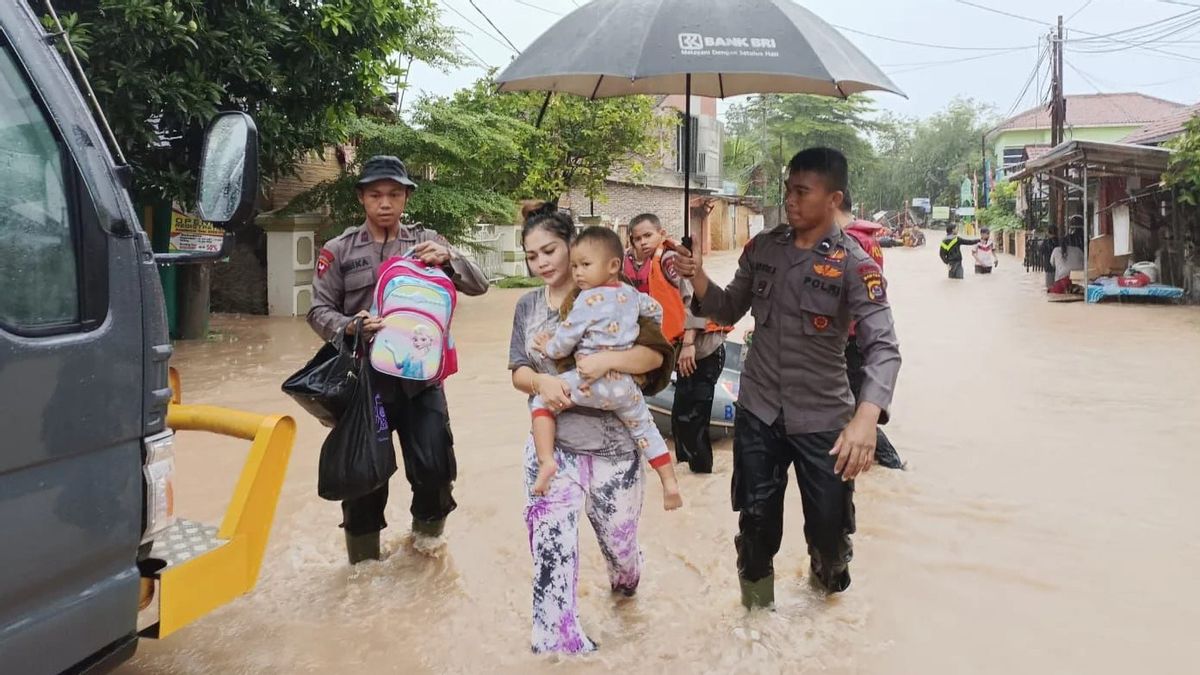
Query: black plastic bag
[[357, 457], [324, 385]]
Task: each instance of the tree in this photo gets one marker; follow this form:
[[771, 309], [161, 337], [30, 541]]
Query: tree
[[579, 143], [763, 134], [301, 68], [1183, 174], [926, 158], [480, 152]]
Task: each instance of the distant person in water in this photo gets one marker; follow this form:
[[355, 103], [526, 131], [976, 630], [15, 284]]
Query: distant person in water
[[951, 251], [984, 253]]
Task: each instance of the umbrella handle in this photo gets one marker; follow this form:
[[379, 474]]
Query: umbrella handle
[[686, 241]]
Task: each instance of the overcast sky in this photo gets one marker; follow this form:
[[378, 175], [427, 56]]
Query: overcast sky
[[930, 76]]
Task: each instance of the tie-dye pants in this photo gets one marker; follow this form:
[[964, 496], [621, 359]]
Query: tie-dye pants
[[609, 490]]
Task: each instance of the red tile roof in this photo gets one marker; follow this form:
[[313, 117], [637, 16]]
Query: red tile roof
[[1163, 129], [1098, 110]]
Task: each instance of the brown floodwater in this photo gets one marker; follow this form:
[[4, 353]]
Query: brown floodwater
[[1048, 522]]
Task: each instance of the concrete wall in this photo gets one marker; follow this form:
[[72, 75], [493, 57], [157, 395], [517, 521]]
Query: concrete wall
[[620, 202]]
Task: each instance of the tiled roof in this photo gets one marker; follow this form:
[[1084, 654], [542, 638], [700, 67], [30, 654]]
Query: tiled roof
[[1098, 110], [1163, 129]]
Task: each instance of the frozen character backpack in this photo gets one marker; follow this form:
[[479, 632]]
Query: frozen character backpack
[[416, 303]]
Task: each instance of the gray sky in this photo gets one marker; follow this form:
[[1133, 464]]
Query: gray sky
[[930, 76]]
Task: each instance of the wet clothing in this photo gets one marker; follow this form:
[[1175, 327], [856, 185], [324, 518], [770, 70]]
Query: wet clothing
[[761, 458], [691, 407], [691, 412], [886, 454], [606, 318], [346, 271], [609, 490], [985, 257], [951, 253], [795, 394], [599, 474]]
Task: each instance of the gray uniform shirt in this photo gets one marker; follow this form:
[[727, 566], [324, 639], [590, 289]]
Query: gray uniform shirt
[[803, 302], [583, 431], [348, 267]]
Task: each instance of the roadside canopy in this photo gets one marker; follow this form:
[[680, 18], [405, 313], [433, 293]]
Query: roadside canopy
[[1100, 160]]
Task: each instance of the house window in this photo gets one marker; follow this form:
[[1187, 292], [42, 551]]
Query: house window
[[1013, 159], [695, 124]]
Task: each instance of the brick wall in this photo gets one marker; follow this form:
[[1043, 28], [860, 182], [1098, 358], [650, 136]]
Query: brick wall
[[620, 202], [309, 172]]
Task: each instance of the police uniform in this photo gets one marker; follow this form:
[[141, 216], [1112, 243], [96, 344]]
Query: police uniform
[[347, 269], [795, 399]]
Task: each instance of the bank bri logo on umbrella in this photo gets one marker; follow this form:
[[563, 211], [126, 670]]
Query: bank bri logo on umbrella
[[692, 43]]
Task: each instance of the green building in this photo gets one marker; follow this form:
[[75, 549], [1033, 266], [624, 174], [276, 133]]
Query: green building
[[1108, 118]]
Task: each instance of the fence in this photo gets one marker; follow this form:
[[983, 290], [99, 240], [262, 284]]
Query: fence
[[484, 249]]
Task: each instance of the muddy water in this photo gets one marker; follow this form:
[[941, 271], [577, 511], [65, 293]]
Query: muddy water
[[1048, 522]]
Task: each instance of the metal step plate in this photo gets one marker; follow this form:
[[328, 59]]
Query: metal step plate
[[184, 540]]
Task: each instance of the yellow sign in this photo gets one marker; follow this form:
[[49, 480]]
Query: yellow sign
[[192, 235]]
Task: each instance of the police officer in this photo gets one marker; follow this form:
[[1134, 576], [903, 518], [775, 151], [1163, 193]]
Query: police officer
[[804, 283], [347, 269]]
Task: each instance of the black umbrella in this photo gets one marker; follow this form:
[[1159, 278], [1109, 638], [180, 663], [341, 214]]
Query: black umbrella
[[714, 48]]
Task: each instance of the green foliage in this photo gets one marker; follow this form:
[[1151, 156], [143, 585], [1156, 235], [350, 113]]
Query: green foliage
[[763, 134], [1001, 213], [1183, 174], [578, 144], [925, 158], [520, 282], [480, 152], [301, 68]]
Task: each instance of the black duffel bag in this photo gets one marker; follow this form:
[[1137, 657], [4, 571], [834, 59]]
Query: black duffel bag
[[325, 385]]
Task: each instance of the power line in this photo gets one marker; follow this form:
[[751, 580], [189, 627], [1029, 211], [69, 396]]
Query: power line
[[1143, 40], [539, 7], [478, 59], [1003, 13], [922, 44], [1116, 102], [493, 25], [479, 28], [1080, 10], [923, 65], [1037, 69], [1135, 29]]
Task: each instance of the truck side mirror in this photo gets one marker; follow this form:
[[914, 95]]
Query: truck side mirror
[[228, 187]]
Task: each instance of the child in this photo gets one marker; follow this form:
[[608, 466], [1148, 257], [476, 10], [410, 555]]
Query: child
[[604, 317], [984, 253]]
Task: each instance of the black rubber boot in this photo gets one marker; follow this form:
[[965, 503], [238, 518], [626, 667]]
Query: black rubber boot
[[362, 547], [429, 528], [759, 593]]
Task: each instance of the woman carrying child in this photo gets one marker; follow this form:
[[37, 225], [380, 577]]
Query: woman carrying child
[[599, 471]]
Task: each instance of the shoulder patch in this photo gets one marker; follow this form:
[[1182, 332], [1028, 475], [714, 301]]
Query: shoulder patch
[[872, 279], [324, 262]]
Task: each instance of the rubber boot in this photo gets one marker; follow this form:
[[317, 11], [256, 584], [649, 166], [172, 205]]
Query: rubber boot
[[362, 547], [429, 528], [759, 593]]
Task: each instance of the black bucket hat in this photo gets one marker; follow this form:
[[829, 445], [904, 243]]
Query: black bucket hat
[[385, 167]]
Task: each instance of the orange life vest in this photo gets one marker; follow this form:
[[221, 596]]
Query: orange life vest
[[667, 295]]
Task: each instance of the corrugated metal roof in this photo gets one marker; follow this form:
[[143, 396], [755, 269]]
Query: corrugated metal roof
[[1097, 110]]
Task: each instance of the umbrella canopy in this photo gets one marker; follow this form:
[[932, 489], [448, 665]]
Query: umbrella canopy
[[727, 47]]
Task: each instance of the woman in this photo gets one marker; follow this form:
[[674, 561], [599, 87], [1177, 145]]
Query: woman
[[600, 472]]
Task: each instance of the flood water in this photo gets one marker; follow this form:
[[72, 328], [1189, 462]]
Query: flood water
[[1048, 522]]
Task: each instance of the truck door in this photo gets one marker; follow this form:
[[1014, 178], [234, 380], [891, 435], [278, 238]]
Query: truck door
[[71, 371]]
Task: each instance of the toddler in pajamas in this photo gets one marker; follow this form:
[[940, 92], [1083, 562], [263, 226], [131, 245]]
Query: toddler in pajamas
[[604, 317]]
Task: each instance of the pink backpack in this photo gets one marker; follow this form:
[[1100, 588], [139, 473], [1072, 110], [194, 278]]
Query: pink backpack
[[416, 303]]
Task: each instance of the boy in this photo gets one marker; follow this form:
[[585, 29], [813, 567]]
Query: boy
[[804, 282], [603, 317], [984, 253], [650, 267]]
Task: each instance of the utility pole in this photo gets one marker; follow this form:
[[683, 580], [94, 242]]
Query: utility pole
[[1058, 114]]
